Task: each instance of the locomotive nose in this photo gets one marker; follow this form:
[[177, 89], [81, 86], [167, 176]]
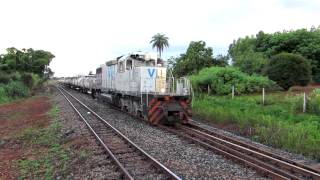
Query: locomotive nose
[[169, 110]]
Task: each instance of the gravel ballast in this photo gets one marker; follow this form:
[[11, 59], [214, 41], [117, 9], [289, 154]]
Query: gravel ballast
[[186, 159]]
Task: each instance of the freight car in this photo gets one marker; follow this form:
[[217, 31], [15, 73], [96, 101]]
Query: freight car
[[138, 83]]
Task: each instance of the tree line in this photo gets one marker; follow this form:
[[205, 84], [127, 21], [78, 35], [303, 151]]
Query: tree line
[[26, 60], [22, 70], [288, 57]]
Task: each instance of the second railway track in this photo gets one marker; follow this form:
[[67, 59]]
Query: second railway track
[[265, 162], [132, 161]]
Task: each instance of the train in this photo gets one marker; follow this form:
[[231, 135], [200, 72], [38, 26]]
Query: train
[[140, 84]]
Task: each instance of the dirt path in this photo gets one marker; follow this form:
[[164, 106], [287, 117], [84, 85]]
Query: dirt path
[[14, 119]]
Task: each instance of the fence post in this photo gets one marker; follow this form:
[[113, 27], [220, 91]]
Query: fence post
[[263, 96], [304, 102], [232, 91]]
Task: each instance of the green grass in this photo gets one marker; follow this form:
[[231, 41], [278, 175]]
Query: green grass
[[278, 123], [4, 98], [51, 156]]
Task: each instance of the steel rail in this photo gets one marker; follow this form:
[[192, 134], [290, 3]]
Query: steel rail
[[114, 158], [153, 160], [293, 169]]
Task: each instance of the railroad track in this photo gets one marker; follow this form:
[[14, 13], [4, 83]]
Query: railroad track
[[131, 160], [265, 162]]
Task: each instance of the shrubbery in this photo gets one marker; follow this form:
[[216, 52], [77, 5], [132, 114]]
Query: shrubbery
[[3, 94], [289, 69], [221, 79], [313, 103], [15, 85], [13, 90], [17, 89]]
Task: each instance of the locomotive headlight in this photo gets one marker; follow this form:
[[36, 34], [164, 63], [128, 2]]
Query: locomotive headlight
[[162, 90]]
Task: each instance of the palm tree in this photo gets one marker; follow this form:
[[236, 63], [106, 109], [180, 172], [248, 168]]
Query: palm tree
[[159, 41]]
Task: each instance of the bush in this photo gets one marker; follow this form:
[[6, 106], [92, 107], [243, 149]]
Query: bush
[[313, 103], [289, 69], [251, 62], [27, 79], [16, 89], [36, 79], [4, 77], [3, 94], [221, 79]]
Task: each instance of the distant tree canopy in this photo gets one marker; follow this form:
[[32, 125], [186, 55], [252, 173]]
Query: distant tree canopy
[[26, 61], [251, 54], [197, 57], [289, 69]]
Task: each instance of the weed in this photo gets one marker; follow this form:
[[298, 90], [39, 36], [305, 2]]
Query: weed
[[52, 158], [54, 112]]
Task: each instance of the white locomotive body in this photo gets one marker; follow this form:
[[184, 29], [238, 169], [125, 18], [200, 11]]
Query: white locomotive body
[[132, 75]]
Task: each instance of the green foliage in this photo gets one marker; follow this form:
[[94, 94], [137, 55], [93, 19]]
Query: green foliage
[[251, 62], [26, 60], [49, 162], [197, 57], [16, 85], [313, 103], [46, 164], [22, 70], [6, 77], [289, 69], [16, 89], [54, 112], [3, 94], [221, 79], [302, 41], [159, 41], [275, 123]]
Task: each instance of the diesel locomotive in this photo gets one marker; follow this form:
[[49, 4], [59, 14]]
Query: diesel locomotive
[[139, 84]]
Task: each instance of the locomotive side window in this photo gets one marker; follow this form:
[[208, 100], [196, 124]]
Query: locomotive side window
[[129, 64], [121, 66]]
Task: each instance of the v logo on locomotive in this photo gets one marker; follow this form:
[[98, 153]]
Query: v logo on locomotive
[[151, 72]]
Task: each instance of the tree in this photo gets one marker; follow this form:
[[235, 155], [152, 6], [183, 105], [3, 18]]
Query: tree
[[197, 57], [302, 41], [26, 60], [159, 41], [289, 69], [221, 60], [245, 57], [251, 62]]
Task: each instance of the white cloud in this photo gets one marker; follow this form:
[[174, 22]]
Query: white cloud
[[83, 34]]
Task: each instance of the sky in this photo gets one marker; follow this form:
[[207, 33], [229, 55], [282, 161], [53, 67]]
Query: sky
[[83, 34]]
